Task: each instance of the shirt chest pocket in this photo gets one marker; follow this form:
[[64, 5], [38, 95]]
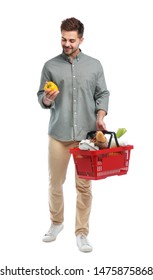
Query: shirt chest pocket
[[87, 81]]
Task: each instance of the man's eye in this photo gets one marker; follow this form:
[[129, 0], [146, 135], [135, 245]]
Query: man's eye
[[72, 41]]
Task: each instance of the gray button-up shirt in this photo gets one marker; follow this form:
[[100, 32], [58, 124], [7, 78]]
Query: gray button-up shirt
[[82, 92]]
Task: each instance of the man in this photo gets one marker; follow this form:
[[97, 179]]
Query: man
[[79, 106]]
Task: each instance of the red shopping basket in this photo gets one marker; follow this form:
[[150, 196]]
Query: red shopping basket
[[99, 164]]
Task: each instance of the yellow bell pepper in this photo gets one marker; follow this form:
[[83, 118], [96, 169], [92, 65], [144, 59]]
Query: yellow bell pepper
[[50, 86]]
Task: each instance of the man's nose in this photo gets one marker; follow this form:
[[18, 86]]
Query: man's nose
[[67, 44]]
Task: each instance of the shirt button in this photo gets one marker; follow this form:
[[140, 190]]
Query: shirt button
[[74, 88]]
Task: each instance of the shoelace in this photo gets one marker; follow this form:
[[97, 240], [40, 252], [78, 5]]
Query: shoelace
[[53, 230], [50, 230], [84, 240]]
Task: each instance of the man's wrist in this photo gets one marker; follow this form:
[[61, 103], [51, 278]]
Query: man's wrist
[[46, 101], [101, 114]]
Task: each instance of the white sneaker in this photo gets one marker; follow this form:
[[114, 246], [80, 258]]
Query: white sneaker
[[83, 243], [52, 233]]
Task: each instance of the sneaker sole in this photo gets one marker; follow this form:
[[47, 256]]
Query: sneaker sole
[[85, 249]]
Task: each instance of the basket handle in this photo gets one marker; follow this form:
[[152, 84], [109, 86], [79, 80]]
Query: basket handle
[[91, 134]]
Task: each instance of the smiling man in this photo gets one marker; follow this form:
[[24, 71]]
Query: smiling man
[[70, 43], [77, 107]]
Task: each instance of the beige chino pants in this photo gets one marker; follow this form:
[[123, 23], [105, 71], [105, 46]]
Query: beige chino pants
[[58, 159]]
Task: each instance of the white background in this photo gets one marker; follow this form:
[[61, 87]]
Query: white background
[[119, 34]]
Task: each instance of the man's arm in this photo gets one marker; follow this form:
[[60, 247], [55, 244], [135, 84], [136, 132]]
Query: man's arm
[[100, 124]]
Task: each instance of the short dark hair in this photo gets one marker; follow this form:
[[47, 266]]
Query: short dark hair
[[73, 24]]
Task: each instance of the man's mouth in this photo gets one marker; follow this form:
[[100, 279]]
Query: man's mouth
[[67, 49]]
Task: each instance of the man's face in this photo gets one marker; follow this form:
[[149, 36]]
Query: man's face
[[70, 43]]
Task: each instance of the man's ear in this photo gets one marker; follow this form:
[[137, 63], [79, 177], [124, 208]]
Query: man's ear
[[81, 40]]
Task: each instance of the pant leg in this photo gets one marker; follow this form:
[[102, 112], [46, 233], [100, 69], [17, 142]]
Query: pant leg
[[83, 205], [58, 159]]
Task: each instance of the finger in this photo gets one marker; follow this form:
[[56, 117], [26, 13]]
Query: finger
[[51, 92], [54, 93]]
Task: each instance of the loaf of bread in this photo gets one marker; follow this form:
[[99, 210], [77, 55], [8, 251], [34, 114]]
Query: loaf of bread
[[100, 140]]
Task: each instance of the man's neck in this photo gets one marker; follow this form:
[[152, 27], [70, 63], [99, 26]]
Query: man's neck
[[74, 54]]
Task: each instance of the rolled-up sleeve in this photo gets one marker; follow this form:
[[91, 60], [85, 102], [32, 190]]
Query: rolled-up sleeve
[[101, 93], [45, 76]]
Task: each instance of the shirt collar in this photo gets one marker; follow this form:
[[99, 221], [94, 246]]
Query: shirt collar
[[66, 57]]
